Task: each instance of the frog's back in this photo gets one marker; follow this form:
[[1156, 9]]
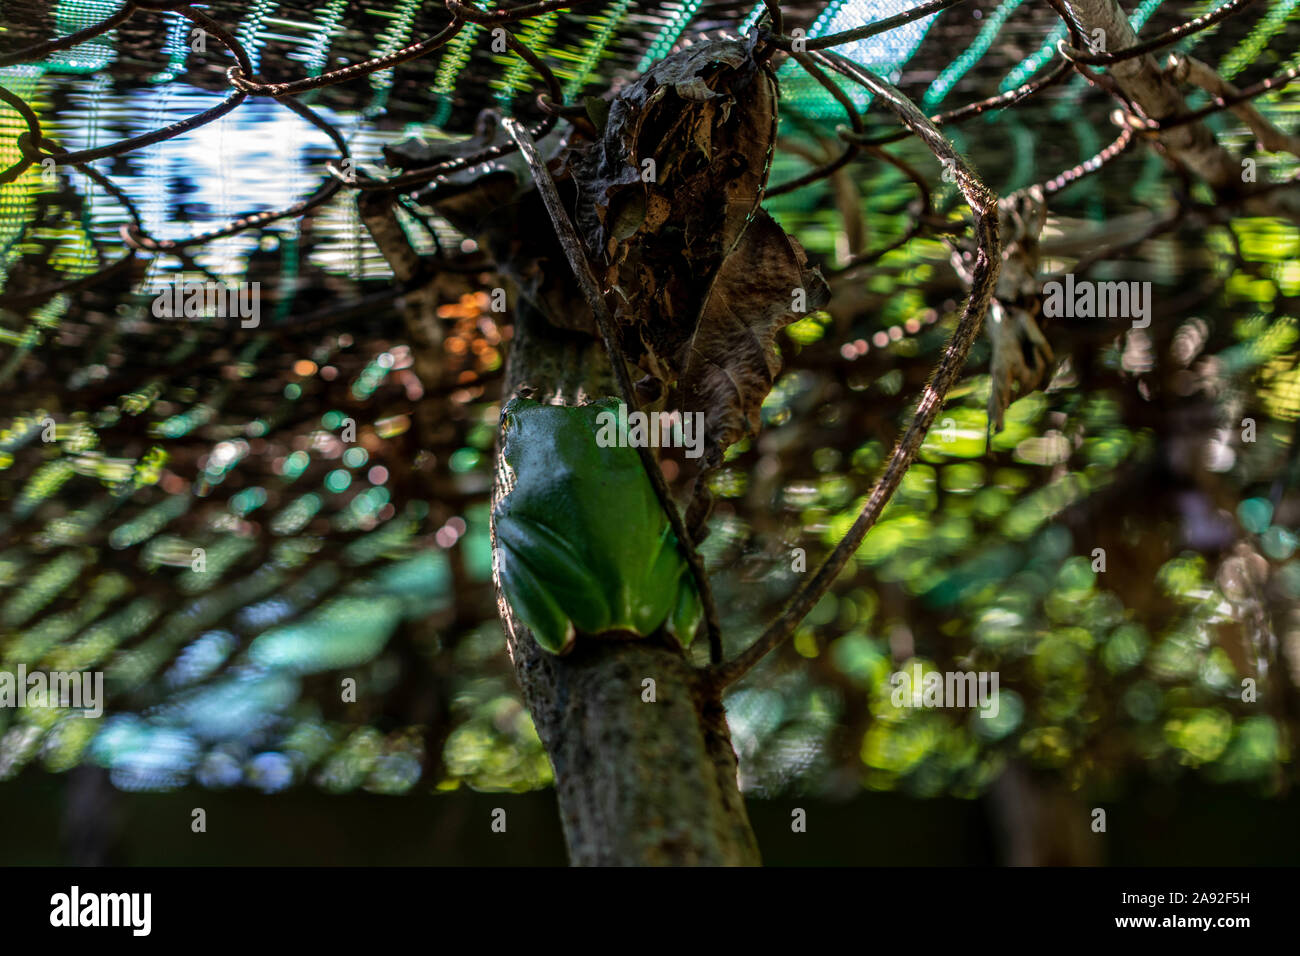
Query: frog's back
[[599, 498]]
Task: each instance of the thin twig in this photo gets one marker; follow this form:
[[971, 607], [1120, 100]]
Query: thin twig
[[473, 14], [1270, 138], [39, 51], [1182, 31], [1221, 103], [984, 276], [568, 237], [863, 32], [851, 149], [1086, 168], [1000, 101]]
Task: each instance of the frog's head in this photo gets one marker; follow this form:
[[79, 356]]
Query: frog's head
[[514, 406]]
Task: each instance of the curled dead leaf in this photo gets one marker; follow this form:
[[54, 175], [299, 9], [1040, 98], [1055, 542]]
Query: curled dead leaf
[[730, 364]]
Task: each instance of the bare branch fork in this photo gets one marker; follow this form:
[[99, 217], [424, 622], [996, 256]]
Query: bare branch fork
[[984, 274], [1269, 137], [573, 251]]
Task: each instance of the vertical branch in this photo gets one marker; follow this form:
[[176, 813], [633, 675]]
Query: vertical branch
[[637, 783], [569, 240]]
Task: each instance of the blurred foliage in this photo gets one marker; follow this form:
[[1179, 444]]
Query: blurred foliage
[[329, 558]]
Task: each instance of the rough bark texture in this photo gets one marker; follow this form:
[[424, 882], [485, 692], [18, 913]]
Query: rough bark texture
[[1155, 91], [1041, 823], [638, 782]]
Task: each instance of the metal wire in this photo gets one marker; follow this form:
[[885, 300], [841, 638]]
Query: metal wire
[[244, 83]]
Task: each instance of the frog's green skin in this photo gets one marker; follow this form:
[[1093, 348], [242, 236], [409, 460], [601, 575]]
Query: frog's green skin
[[583, 545]]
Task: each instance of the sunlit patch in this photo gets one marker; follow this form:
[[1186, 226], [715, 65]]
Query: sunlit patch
[[201, 658]]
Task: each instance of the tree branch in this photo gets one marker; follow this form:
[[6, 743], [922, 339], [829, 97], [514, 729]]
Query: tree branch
[[1155, 92], [1270, 138], [984, 274], [572, 245]]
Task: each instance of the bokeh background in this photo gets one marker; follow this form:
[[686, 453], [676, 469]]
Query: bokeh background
[[370, 559]]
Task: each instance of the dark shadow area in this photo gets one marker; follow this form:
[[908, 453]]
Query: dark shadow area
[[1194, 825]]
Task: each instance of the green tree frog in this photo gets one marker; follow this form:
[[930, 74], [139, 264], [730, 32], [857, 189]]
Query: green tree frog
[[582, 543]]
